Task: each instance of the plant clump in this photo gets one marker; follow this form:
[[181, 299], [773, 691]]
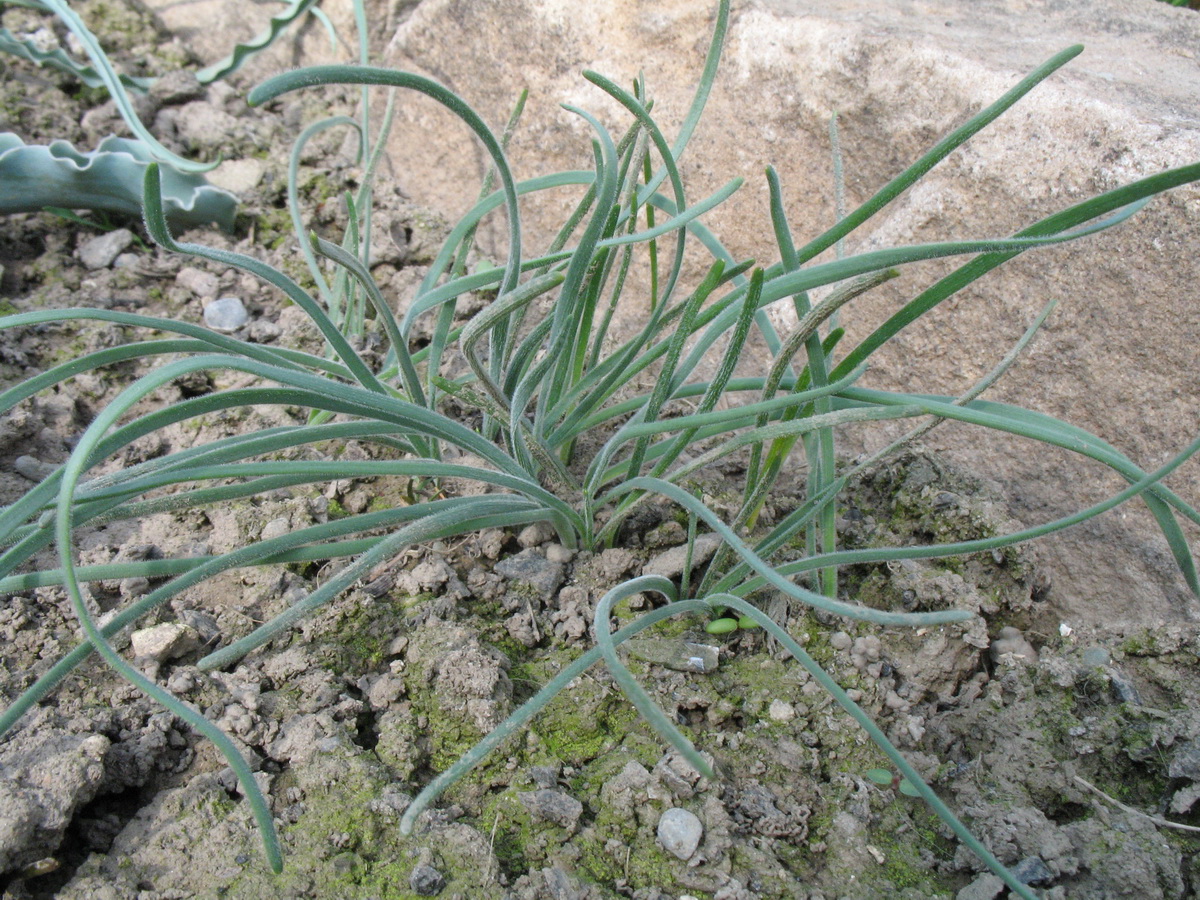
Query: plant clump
[[502, 406]]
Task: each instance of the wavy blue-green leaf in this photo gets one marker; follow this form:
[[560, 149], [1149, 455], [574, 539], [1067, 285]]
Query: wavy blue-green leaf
[[58, 59], [116, 90], [107, 179], [255, 45]]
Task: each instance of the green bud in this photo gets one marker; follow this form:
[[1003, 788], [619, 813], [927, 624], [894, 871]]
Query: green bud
[[721, 626]]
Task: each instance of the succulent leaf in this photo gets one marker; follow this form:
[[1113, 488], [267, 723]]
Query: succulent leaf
[[109, 179]]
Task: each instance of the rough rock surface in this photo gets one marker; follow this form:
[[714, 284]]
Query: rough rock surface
[[43, 787]]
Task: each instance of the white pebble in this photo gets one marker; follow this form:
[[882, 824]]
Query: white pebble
[[226, 314], [276, 528], [163, 642], [679, 831], [780, 711]]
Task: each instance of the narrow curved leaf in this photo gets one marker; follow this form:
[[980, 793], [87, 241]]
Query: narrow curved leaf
[[58, 59], [243, 52]]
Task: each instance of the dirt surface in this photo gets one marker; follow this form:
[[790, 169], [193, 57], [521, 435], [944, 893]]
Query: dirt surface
[[1019, 719]]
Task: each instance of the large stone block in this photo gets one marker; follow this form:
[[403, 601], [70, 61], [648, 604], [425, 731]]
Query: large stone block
[[1119, 355]]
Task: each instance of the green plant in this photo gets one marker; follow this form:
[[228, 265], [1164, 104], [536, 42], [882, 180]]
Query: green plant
[[884, 778], [543, 378], [101, 72], [109, 179]]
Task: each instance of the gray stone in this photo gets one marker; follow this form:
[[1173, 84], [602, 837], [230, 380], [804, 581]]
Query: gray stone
[[1185, 762], [202, 284], [1123, 689], [669, 564], [180, 86], [276, 528], [206, 626], [226, 314], [781, 711], [99, 252], [675, 653], [679, 831], [559, 554], [534, 535], [560, 885], [1184, 799], [33, 468], [237, 175], [532, 569], [202, 124], [1032, 870], [1094, 657], [44, 781], [426, 881], [985, 887], [553, 806], [164, 642]]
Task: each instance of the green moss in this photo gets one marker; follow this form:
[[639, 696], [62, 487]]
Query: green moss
[[317, 186], [359, 635], [645, 862], [512, 834], [583, 723], [273, 228], [1143, 643]]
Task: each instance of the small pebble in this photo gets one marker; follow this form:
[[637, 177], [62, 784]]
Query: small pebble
[[553, 806], [531, 568], [1094, 657], [779, 711], [1032, 870], [1185, 761], [426, 881], [276, 528], [670, 563], [534, 535], [163, 642], [226, 314], [32, 468], [1010, 646], [985, 887], [679, 831], [1123, 689], [680, 655], [559, 554], [203, 284], [99, 252]]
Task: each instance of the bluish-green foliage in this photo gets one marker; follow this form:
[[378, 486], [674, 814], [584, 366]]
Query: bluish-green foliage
[[107, 179], [543, 379]]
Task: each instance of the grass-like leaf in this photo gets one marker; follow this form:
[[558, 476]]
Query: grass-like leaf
[[545, 375]]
